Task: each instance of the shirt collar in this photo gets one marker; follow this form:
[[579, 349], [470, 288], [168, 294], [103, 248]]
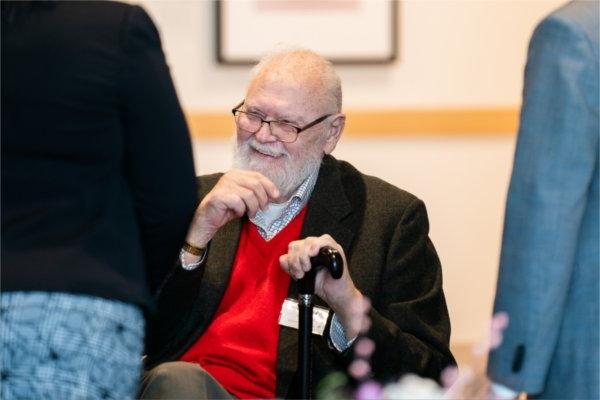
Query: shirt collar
[[266, 219]]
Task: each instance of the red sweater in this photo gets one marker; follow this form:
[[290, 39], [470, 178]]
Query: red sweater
[[239, 348]]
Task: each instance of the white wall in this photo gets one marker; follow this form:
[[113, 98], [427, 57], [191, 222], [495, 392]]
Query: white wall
[[453, 54]]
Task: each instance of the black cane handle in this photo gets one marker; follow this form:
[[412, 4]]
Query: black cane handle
[[327, 258], [331, 259]]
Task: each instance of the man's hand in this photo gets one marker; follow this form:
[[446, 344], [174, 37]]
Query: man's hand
[[238, 192], [340, 294]]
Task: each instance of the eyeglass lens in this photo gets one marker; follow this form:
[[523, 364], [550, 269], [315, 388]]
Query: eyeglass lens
[[252, 123]]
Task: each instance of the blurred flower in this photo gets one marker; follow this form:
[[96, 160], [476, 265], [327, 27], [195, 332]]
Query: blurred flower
[[466, 383], [369, 390], [413, 387], [469, 385], [494, 336], [360, 369], [364, 347], [334, 387], [457, 384]]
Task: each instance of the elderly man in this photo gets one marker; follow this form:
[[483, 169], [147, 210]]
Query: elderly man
[[221, 329]]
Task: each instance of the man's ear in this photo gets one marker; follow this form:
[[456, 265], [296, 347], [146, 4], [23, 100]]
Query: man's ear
[[334, 132]]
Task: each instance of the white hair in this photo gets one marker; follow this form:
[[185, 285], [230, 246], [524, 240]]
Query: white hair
[[303, 63]]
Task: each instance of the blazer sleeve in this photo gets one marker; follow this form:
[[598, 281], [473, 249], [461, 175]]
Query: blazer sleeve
[[554, 164], [410, 322], [157, 158]]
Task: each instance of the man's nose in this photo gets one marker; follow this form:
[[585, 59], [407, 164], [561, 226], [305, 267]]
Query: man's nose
[[264, 135]]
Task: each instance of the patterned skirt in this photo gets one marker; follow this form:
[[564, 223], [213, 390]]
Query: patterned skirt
[[66, 346]]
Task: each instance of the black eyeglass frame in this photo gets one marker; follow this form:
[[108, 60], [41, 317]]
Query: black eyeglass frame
[[236, 109]]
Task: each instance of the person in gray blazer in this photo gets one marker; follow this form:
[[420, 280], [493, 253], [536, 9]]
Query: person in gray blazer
[[548, 280]]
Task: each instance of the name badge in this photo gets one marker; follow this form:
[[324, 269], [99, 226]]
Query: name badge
[[289, 316]]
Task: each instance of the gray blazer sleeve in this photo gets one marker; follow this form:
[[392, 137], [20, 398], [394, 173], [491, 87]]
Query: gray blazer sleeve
[[554, 168]]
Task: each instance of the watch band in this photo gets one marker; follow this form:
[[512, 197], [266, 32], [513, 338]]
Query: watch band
[[197, 251], [188, 248]]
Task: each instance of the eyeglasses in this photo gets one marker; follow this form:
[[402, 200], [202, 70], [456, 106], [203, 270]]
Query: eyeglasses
[[284, 131]]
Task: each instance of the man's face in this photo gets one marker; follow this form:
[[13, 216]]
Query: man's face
[[286, 164]]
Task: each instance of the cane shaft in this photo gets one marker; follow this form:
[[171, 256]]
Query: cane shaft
[[305, 344]]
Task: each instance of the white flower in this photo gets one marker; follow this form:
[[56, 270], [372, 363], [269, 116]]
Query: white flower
[[413, 387]]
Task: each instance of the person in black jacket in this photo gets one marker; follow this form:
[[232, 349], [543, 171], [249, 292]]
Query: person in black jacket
[[97, 194], [224, 327]]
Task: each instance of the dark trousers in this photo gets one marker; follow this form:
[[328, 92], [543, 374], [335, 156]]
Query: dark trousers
[[181, 380]]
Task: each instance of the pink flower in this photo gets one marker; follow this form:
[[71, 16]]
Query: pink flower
[[369, 390]]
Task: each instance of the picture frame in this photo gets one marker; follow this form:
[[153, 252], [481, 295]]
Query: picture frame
[[343, 31]]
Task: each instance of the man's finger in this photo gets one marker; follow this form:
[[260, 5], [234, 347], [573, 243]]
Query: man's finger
[[251, 201], [257, 187], [263, 187], [269, 186], [235, 203]]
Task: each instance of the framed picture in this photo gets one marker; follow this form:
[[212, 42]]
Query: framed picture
[[344, 31]]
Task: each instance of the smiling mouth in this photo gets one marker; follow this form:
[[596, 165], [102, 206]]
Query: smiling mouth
[[266, 154]]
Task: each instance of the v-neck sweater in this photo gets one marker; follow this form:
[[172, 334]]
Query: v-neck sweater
[[239, 348]]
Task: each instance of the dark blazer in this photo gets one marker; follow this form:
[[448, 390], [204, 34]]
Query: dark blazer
[[383, 231], [97, 173]]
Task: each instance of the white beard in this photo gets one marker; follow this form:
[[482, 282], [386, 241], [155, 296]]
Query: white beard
[[288, 178]]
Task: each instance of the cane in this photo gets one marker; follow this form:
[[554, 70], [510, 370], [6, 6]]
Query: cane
[[330, 259]]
